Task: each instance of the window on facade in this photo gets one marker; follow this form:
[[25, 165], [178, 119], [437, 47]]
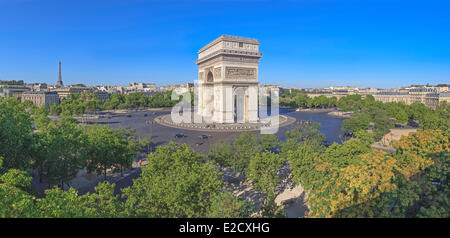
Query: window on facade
[[241, 44]]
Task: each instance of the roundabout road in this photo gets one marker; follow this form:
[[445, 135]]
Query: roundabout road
[[143, 122]]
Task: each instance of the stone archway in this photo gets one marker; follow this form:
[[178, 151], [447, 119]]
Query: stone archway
[[225, 64], [208, 94], [240, 104], [210, 77]]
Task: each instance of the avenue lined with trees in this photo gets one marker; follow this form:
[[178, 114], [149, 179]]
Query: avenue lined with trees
[[89, 102], [374, 115]]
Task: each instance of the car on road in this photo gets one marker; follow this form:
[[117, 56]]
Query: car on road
[[180, 135], [203, 136]]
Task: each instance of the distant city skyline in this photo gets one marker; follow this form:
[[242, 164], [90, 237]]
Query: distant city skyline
[[306, 44]]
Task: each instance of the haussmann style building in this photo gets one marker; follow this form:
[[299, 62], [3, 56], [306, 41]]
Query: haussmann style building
[[40, 98]]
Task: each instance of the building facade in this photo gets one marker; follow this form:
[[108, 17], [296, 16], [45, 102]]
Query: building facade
[[64, 92], [14, 91], [102, 96], [38, 86], [141, 86], [385, 97], [41, 98], [430, 96]]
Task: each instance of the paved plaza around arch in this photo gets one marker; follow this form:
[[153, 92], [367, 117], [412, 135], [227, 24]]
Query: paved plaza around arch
[[166, 120]]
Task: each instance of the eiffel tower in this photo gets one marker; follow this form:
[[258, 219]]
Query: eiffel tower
[[59, 84]]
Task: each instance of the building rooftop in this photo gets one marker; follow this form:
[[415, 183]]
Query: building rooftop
[[40, 92], [444, 94], [392, 93], [229, 38]]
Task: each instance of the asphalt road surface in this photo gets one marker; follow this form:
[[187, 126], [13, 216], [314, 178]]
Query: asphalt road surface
[[145, 126]]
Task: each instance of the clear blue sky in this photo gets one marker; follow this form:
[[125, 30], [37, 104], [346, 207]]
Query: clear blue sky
[[306, 43]]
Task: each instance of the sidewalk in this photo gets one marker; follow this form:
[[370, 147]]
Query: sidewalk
[[85, 182]]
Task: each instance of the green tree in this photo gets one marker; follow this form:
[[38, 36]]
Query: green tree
[[61, 148], [367, 138], [342, 155], [16, 201], [419, 111], [40, 117], [263, 171], [268, 142], [92, 101], [175, 183], [226, 205], [103, 203], [382, 122], [332, 102], [54, 109], [301, 100], [108, 149], [146, 143], [357, 123], [221, 152], [401, 117], [352, 103], [58, 203], [28, 103], [306, 131], [17, 143], [114, 101], [61, 204], [269, 209], [245, 146], [301, 162], [434, 121]]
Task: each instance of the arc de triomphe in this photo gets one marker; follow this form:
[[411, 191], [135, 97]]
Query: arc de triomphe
[[228, 80]]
